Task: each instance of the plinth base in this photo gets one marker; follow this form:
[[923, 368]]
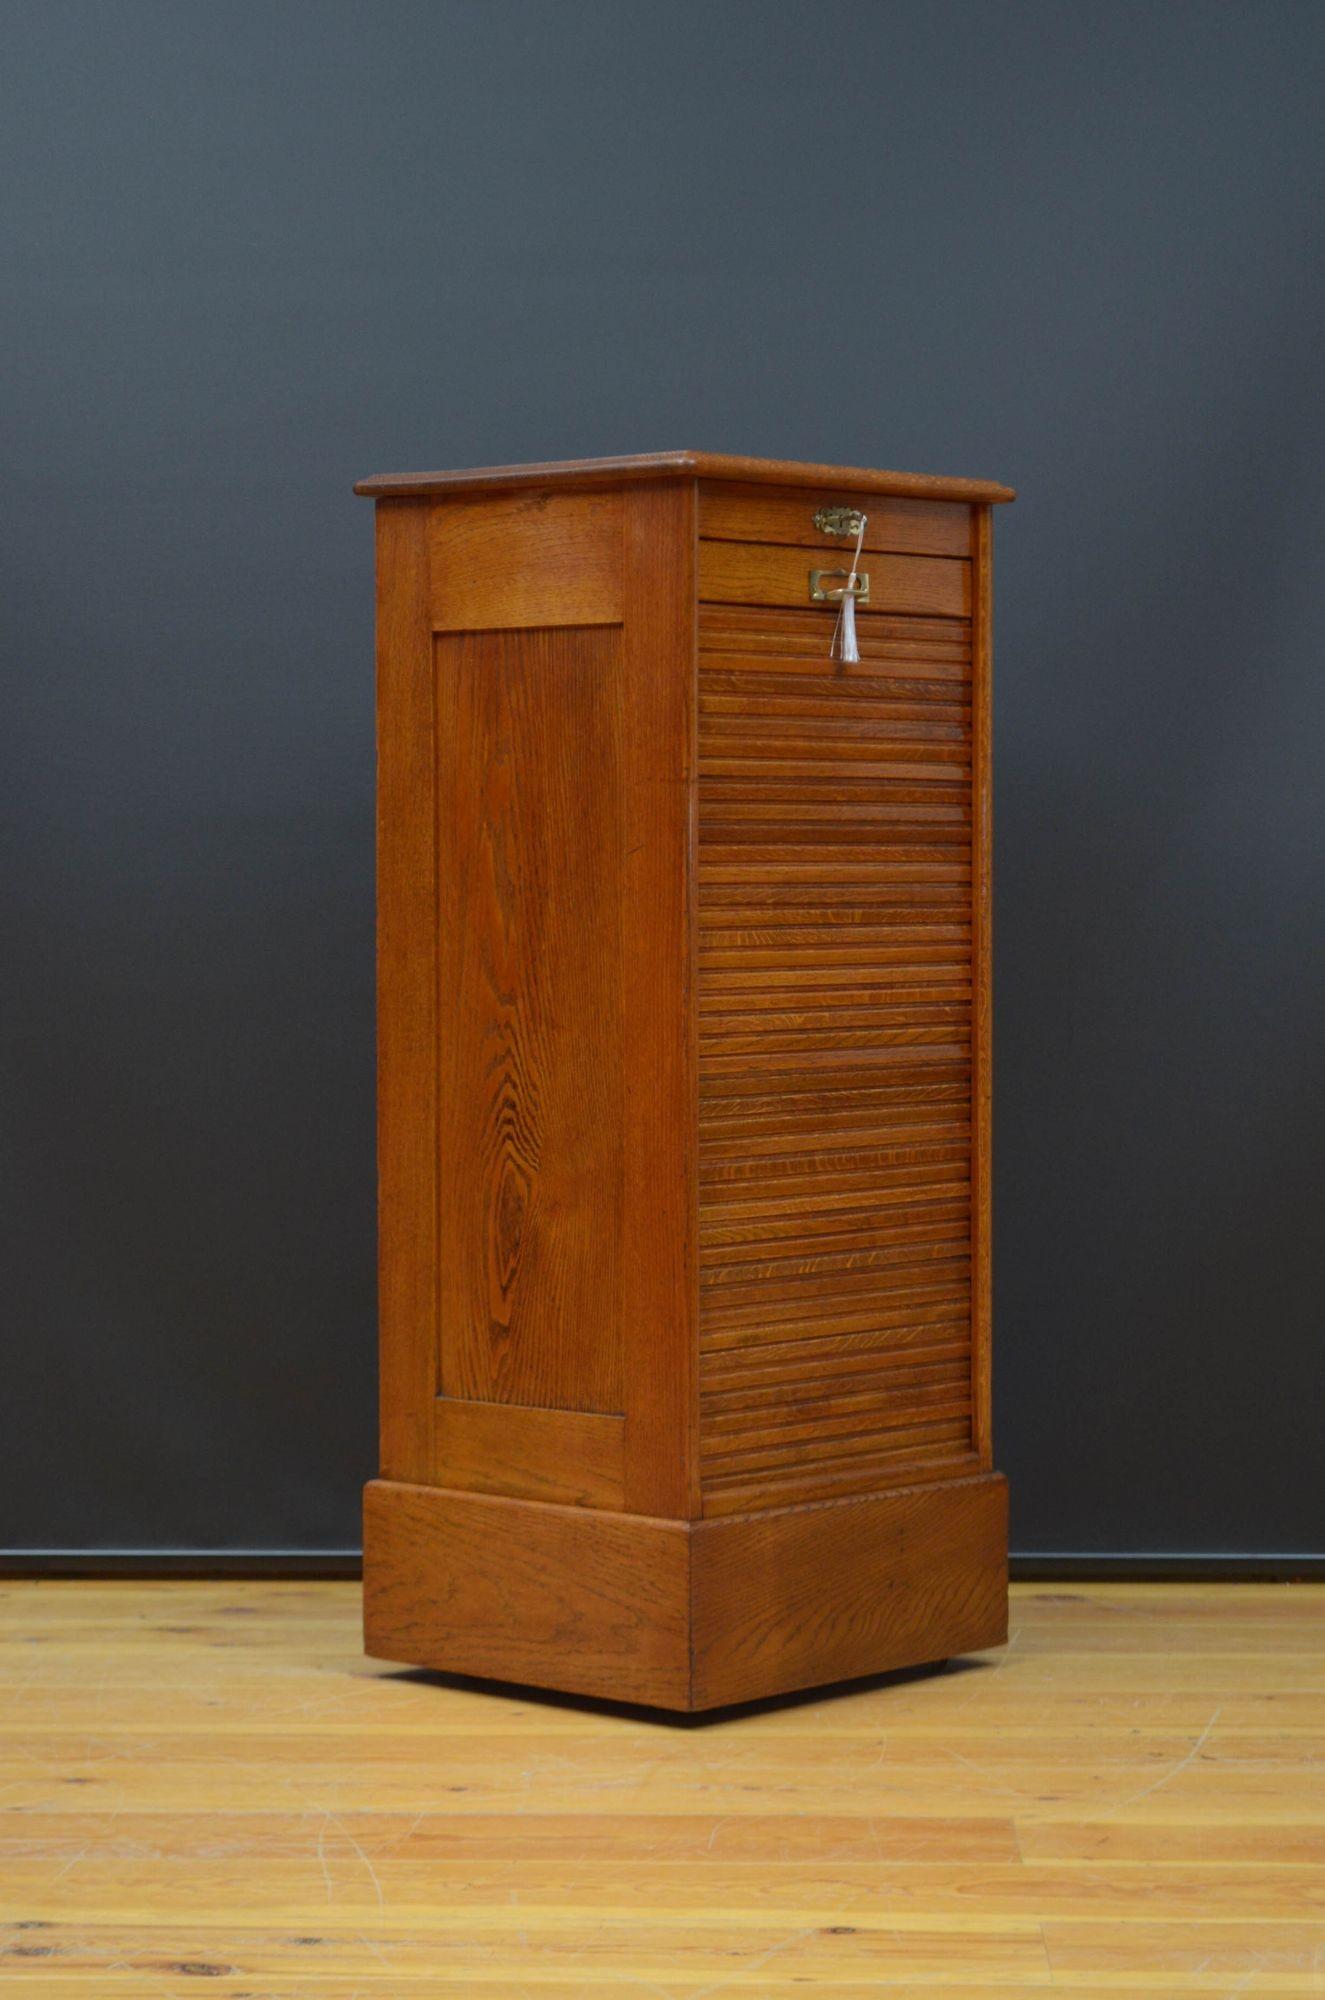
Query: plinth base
[[683, 1615]]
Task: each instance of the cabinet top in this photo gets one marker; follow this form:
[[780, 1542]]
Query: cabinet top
[[683, 465]]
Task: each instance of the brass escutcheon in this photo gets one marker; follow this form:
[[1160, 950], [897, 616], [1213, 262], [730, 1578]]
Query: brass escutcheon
[[839, 521]]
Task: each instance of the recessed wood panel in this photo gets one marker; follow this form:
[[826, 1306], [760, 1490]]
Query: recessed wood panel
[[531, 557], [835, 1006], [531, 1118]]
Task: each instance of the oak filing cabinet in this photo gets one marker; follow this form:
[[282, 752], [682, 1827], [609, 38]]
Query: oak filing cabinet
[[684, 1046]]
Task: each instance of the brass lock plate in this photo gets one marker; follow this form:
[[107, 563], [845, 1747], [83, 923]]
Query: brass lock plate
[[844, 521]]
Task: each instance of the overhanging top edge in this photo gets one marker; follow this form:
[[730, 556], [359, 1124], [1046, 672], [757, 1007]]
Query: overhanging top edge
[[684, 465]]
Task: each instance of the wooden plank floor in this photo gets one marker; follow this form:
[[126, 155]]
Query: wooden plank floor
[[206, 1782]]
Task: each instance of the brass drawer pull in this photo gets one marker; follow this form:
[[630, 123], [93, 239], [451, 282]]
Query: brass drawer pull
[[833, 593]]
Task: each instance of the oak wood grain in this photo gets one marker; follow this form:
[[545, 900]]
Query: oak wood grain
[[687, 1002], [659, 1112], [731, 512], [884, 1581], [684, 1614], [767, 573], [407, 995], [531, 1454], [982, 1021], [531, 957], [572, 1597], [836, 1199], [685, 466], [531, 557]]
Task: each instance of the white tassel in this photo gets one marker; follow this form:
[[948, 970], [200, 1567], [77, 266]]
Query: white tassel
[[844, 645], [847, 649]]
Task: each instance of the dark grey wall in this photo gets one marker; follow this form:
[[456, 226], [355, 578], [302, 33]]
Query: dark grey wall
[[255, 251]]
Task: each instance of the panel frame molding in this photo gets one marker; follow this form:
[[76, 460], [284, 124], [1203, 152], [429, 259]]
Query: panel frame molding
[[639, 580]]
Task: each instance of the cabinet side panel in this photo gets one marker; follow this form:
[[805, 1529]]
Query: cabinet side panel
[[407, 992], [530, 1139], [662, 1475]]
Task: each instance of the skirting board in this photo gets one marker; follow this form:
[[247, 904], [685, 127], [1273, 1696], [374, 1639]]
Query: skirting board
[[1027, 1566], [1158, 1566], [182, 1563]]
